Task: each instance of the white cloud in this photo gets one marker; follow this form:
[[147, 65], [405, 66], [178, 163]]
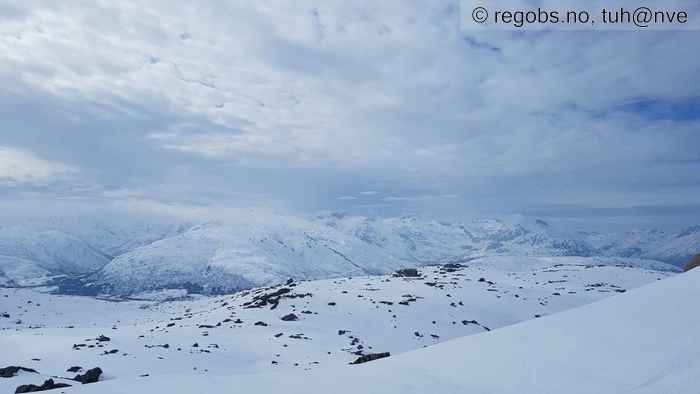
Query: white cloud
[[18, 166], [349, 94]]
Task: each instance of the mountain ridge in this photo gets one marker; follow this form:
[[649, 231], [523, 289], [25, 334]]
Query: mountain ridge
[[258, 250]]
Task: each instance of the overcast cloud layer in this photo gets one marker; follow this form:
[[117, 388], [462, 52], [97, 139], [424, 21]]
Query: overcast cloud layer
[[366, 106]]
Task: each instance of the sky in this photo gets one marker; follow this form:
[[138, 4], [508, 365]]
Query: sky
[[374, 108]]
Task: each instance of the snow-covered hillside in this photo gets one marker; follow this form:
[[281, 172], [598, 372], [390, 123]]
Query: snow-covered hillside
[[35, 251], [128, 255], [642, 342], [50, 249], [673, 248], [224, 257], [414, 239], [425, 241], [299, 330]]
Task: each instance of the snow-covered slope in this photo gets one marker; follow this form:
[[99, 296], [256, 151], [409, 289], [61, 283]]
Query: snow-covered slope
[[36, 250], [130, 254], [51, 250], [421, 240], [20, 272], [636, 341], [430, 241], [528, 263], [219, 258], [335, 321], [674, 248]]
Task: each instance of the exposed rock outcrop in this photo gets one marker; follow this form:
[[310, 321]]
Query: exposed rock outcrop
[[11, 371], [407, 273], [370, 357], [694, 263], [48, 385], [91, 376]]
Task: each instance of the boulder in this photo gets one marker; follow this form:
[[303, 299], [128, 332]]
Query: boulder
[[11, 371], [48, 385], [91, 376], [370, 357], [407, 273], [290, 317]]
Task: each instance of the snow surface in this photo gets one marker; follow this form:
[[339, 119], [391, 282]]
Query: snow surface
[[50, 250], [589, 349]]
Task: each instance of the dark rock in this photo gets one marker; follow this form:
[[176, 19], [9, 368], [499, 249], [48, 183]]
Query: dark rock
[[11, 371], [407, 273], [290, 317], [268, 298], [103, 338], [451, 267], [261, 324], [692, 264], [48, 385], [74, 369], [370, 357], [91, 376]]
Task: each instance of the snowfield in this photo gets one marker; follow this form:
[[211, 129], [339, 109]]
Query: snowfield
[[644, 341], [492, 325]]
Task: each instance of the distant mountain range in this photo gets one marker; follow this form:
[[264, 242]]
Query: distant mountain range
[[125, 257]]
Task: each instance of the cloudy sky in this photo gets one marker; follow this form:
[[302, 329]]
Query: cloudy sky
[[364, 106]]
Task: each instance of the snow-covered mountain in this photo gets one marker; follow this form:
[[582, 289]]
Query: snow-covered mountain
[[674, 248], [429, 241], [217, 257], [255, 249], [50, 249], [419, 240], [35, 251]]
